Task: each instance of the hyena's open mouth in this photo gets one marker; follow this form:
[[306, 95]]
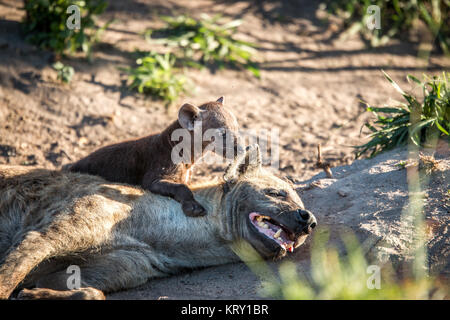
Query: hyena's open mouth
[[275, 231]]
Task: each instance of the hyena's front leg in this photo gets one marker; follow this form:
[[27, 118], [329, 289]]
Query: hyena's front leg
[[55, 240], [20, 260], [50, 294], [119, 269]]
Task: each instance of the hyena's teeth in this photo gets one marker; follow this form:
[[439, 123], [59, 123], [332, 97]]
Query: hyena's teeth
[[259, 219], [277, 234], [263, 225]]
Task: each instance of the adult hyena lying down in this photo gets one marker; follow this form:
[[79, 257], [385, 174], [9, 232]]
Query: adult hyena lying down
[[121, 236]]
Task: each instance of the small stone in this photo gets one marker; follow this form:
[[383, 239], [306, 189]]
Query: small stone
[[342, 193], [83, 141]]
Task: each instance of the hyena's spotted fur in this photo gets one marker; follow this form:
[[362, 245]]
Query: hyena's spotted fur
[[118, 235]]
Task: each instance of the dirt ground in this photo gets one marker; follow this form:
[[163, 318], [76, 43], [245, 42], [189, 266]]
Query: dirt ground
[[311, 85]]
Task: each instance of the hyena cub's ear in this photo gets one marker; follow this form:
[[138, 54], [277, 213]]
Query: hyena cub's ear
[[245, 163], [187, 116], [221, 100]]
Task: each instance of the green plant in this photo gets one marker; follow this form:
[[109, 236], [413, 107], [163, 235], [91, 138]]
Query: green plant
[[340, 275], [206, 41], [396, 17], [414, 120], [45, 25], [348, 276], [64, 73], [157, 76]]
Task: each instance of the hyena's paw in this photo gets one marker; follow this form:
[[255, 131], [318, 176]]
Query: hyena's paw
[[49, 294], [192, 208]]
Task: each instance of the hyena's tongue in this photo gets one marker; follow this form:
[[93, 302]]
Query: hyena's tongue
[[272, 231]]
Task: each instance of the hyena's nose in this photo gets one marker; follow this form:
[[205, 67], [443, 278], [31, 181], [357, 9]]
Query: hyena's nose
[[308, 219]]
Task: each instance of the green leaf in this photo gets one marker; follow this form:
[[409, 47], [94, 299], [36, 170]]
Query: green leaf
[[394, 84], [58, 65], [45, 25], [392, 128], [207, 42], [417, 127], [253, 70], [411, 77], [441, 128], [387, 110]]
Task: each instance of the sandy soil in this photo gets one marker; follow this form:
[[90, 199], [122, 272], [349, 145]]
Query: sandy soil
[[311, 85], [310, 88]]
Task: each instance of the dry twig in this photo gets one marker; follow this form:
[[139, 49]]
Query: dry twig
[[323, 165]]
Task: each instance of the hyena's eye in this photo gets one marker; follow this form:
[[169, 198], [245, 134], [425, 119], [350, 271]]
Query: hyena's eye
[[277, 193]]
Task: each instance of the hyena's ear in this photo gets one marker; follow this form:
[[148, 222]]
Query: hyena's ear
[[289, 180], [221, 100], [248, 162], [187, 116], [252, 161]]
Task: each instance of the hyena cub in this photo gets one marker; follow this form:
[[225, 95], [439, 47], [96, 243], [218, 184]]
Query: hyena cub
[[149, 162]]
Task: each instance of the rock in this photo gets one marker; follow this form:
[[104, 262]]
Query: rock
[[83, 141], [342, 193]]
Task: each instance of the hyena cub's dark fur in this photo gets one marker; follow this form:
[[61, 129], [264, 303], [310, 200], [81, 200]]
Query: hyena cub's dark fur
[[148, 161]]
